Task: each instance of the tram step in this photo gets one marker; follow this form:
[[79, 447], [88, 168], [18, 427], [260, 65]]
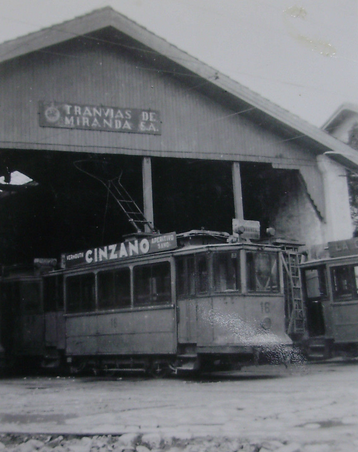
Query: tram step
[[186, 366], [316, 355], [192, 356]]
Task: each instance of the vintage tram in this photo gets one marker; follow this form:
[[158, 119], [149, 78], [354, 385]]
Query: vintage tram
[[330, 289], [155, 303]]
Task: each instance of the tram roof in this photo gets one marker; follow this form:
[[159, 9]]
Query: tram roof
[[216, 82], [327, 260]]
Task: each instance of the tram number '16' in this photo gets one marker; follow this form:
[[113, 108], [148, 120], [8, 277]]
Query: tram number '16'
[[265, 307]]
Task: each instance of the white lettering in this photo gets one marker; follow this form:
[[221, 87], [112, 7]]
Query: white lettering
[[87, 112], [108, 112], [97, 112], [152, 127], [117, 124], [107, 123], [77, 110], [123, 251], [112, 249], [85, 122], [67, 109], [144, 246], [102, 254], [69, 121], [127, 125], [89, 257], [128, 114], [133, 247], [119, 114], [95, 123]]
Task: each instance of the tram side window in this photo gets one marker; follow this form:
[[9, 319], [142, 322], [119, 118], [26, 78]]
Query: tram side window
[[226, 272], [203, 276], [185, 276], [315, 282], [53, 293], [345, 282], [30, 297], [114, 289], [80, 291], [262, 272], [152, 284]]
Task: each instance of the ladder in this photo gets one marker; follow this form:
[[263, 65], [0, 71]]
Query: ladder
[[294, 307], [114, 186], [131, 209]]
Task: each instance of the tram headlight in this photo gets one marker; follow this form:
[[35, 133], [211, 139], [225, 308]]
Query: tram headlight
[[266, 323]]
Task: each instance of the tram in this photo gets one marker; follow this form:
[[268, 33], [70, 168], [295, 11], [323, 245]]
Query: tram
[[155, 303], [330, 289]]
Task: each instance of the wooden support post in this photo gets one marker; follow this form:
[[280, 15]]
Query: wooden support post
[[236, 182], [147, 191]]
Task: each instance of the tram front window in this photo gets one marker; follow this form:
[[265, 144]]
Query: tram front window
[[226, 272], [262, 272]]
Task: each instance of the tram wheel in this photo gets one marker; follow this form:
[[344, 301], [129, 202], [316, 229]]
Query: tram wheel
[[78, 367], [159, 369]]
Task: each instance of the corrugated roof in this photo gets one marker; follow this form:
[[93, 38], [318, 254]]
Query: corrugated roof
[[107, 17]]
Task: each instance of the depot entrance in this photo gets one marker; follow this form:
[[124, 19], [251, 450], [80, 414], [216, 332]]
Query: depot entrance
[[64, 209]]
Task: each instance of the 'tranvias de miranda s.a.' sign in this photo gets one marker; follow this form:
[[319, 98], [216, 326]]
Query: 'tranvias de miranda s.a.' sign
[[94, 117]]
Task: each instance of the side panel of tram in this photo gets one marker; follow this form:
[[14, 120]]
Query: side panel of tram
[[127, 310]]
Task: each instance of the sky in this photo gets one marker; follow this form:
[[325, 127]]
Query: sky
[[300, 55]]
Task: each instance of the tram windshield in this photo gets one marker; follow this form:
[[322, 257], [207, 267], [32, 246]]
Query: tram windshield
[[262, 272], [220, 272], [226, 268]]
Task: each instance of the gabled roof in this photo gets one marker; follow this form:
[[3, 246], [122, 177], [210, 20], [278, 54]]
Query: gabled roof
[[345, 111], [105, 18]]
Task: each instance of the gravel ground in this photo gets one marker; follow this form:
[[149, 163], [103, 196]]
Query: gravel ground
[[312, 408], [147, 443]]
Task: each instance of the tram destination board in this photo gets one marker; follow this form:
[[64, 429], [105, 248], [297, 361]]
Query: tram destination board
[[123, 250], [342, 248]]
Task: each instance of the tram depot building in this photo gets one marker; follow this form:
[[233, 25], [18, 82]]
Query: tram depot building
[[193, 148]]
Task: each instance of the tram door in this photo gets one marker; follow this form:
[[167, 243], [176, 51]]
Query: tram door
[[316, 293], [54, 312], [28, 319], [186, 301]]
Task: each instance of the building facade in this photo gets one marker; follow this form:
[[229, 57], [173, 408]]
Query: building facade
[[193, 147]]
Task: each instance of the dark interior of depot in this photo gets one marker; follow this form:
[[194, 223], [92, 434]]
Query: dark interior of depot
[[67, 209]]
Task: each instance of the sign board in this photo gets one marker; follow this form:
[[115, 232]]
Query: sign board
[[120, 251], [247, 229], [342, 248], [95, 117]]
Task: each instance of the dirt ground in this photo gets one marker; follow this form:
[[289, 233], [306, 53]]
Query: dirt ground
[[305, 408]]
